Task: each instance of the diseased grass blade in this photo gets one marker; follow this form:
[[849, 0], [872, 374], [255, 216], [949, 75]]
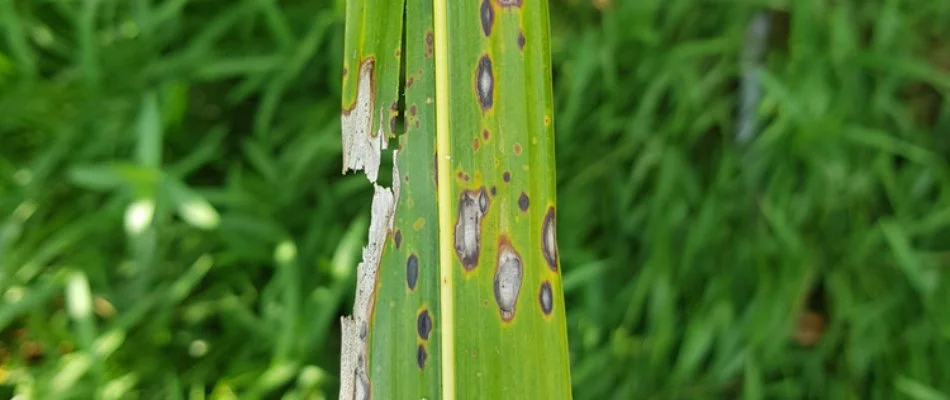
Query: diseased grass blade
[[502, 292], [405, 354], [378, 354], [459, 292]]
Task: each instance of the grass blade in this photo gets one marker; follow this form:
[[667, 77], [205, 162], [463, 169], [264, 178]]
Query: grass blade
[[459, 292]]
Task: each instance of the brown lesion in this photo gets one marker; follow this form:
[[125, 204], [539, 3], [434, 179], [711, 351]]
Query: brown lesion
[[429, 44], [367, 67]]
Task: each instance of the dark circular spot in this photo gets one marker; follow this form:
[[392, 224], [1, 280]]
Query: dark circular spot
[[521, 40], [424, 324], [421, 356], [412, 110], [523, 201], [493, 190], [412, 271], [546, 298], [485, 134], [506, 176], [485, 83], [397, 237], [487, 17]]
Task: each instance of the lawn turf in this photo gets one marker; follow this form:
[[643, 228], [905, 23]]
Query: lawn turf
[[807, 262]]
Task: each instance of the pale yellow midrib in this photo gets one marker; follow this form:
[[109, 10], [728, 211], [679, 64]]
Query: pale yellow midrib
[[447, 306]]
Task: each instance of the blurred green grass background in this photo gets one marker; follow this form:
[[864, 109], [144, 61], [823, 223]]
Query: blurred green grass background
[[807, 262]]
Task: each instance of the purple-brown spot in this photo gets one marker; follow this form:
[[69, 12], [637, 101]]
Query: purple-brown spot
[[517, 148], [520, 40], [485, 134], [397, 237], [475, 144], [487, 16], [412, 110], [424, 324], [430, 44], [412, 271], [506, 176], [485, 83], [549, 239], [546, 298], [523, 202], [493, 190], [421, 356]]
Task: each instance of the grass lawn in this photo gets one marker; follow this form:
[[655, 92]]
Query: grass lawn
[[807, 261]]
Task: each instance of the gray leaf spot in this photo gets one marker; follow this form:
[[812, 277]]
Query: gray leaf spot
[[468, 229], [548, 240], [508, 274]]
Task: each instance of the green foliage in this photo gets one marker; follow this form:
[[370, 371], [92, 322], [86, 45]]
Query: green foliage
[[459, 292], [685, 258]]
